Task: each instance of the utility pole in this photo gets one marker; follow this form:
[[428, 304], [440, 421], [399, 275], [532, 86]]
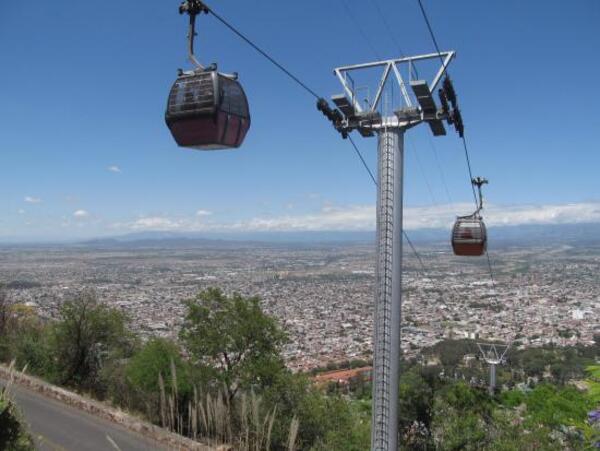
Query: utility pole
[[390, 127]]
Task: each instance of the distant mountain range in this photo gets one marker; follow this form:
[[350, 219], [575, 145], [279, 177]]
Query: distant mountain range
[[506, 236], [573, 234]]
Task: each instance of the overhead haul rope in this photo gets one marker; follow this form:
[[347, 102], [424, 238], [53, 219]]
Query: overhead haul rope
[[464, 142], [437, 48], [261, 51], [301, 84]]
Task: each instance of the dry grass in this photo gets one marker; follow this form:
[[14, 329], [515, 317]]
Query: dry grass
[[243, 423]]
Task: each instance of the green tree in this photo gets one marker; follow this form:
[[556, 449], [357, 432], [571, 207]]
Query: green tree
[[88, 337], [415, 405], [234, 338], [158, 358], [13, 433], [460, 418]]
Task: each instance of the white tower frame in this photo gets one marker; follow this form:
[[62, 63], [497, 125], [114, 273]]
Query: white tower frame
[[493, 354], [388, 297]]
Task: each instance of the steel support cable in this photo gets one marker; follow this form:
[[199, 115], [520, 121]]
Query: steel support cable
[[356, 149], [437, 48], [425, 179], [263, 53], [313, 93], [477, 202], [408, 240], [464, 140], [392, 36], [364, 163], [360, 29], [440, 168]]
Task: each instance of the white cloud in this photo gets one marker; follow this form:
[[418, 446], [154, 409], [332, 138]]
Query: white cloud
[[154, 223], [203, 213], [362, 218], [80, 214], [21, 211], [32, 200], [114, 168]]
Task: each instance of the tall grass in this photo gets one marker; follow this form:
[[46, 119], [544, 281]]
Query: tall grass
[[243, 423]]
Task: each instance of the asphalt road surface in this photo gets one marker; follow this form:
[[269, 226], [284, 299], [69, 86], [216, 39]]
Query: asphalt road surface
[[57, 427]]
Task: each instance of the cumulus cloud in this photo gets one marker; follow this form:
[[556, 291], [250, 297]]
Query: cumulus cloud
[[80, 214], [155, 223], [201, 213], [114, 168], [32, 200], [362, 218]]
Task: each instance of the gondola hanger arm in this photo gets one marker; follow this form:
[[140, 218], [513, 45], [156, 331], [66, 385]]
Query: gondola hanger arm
[[192, 8], [479, 182]]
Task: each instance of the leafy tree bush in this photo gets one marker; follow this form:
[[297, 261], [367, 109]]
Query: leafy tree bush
[[159, 358], [233, 338], [13, 433], [88, 337]]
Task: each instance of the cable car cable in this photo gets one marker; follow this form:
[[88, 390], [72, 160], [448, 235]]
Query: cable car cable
[[311, 92], [389, 30], [356, 149], [464, 140], [408, 240], [491, 271], [437, 48], [263, 53], [360, 29], [358, 152], [440, 168]]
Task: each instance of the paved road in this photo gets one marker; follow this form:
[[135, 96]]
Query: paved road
[[57, 427]]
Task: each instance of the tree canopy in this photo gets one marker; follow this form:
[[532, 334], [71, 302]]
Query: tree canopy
[[232, 336]]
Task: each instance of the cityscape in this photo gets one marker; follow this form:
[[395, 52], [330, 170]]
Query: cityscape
[[322, 294]]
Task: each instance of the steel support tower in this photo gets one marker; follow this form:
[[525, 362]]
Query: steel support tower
[[417, 106], [493, 354]]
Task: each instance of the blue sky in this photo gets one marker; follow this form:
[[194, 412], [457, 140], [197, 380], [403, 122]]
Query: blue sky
[[85, 152]]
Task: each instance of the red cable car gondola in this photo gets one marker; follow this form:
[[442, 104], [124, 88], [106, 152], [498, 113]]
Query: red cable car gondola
[[469, 235], [206, 109]]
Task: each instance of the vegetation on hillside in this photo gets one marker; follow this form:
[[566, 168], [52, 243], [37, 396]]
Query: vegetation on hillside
[[13, 432], [224, 381]]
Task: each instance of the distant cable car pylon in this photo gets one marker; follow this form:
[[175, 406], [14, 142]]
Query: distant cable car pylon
[[493, 354]]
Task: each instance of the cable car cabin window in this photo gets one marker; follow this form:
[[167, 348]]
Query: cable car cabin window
[[469, 230], [191, 95], [233, 100]]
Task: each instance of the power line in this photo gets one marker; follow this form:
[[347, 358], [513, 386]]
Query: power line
[[263, 53]]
